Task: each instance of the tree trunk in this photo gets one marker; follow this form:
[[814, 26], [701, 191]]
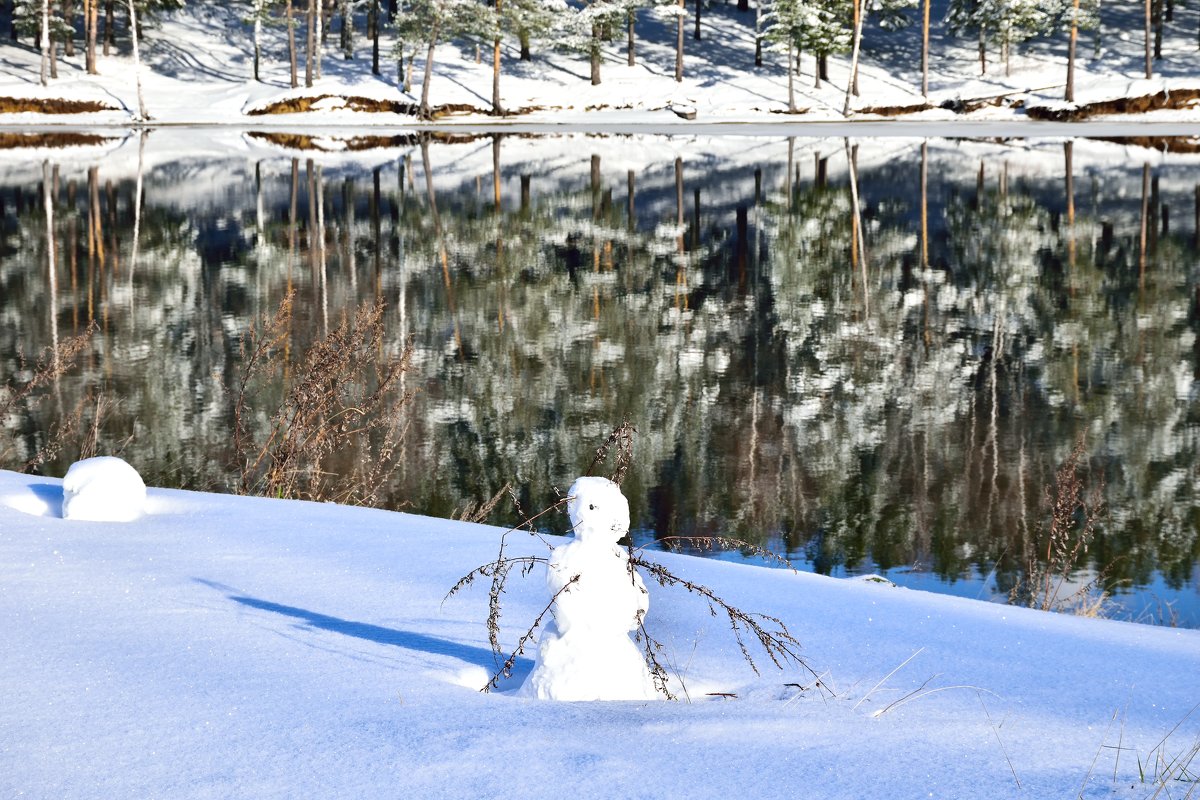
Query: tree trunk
[[791, 80], [44, 41], [373, 32], [1158, 29], [1149, 65], [258, 12], [982, 53], [630, 58], [109, 33], [319, 45], [699, 5], [53, 58], [91, 22], [424, 110], [68, 12], [143, 115], [310, 42], [852, 85], [925, 49], [679, 45], [291, 40], [497, 109], [1070, 94], [595, 53], [758, 33], [856, 47], [523, 36], [743, 5], [347, 31]]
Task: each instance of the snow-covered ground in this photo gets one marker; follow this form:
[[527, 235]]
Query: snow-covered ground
[[197, 68], [238, 647]]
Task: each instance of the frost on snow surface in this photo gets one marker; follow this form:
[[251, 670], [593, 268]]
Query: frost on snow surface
[[586, 652], [103, 489]]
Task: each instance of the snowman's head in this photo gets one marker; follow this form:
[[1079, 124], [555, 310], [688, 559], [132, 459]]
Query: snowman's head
[[598, 510]]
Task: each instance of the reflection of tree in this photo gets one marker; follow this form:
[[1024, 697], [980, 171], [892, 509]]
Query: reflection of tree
[[903, 399]]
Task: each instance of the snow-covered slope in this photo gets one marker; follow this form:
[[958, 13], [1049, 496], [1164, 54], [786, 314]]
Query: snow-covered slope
[[198, 68], [236, 647]]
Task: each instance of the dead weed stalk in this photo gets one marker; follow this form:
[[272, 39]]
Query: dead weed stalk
[[78, 430], [1056, 555], [336, 434]]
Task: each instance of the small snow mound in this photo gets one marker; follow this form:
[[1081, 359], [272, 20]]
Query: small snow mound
[[103, 489]]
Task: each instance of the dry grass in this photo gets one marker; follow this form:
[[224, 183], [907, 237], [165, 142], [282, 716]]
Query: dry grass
[[29, 105], [1173, 99], [335, 435], [28, 388], [1058, 552]]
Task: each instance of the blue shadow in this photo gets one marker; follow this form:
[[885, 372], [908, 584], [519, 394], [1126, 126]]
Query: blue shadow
[[390, 636]]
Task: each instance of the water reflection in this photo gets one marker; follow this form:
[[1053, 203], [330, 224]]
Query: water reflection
[[867, 354]]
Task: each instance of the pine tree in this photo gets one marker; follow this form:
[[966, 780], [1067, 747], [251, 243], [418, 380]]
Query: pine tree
[[430, 22], [1073, 16], [818, 26], [1004, 22], [526, 19]]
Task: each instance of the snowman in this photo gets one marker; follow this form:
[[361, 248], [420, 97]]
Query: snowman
[[586, 653]]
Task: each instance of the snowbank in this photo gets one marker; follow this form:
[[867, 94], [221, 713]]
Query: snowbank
[[223, 646]]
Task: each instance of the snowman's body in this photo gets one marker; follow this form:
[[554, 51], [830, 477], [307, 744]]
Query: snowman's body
[[586, 652]]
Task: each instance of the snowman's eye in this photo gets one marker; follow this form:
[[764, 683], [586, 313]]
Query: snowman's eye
[[591, 507]]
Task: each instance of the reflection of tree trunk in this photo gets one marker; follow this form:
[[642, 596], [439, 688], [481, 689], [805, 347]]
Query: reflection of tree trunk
[[349, 256], [924, 206], [292, 204], [631, 211], [443, 256], [595, 186], [496, 172], [741, 253], [1196, 233], [1068, 158], [320, 237], [696, 219], [680, 275], [1145, 222], [376, 227], [525, 195], [857, 245], [137, 209], [51, 260], [1155, 205]]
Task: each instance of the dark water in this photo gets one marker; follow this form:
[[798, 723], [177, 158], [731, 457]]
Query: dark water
[[869, 355]]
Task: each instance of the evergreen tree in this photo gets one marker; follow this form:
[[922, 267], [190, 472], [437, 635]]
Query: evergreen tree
[[818, 26], [1003, 22], [430, 22]]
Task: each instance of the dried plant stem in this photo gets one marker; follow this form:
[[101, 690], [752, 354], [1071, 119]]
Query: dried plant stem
[[506, 668]]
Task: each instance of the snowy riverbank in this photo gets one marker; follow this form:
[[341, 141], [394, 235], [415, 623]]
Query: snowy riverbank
[[224, 646], [197, 68]]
